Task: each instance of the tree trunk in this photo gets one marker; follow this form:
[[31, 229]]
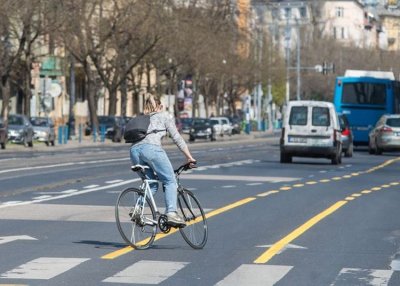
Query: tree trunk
[[27, 89], [112, 103], [5, 89], [91, 98]]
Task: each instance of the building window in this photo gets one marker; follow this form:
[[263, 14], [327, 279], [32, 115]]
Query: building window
[[275, 13], [339, 12], [303, 12], [342, 33], [288, 12]]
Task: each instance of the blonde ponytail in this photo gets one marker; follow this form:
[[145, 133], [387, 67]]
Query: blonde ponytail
[[152, 104]]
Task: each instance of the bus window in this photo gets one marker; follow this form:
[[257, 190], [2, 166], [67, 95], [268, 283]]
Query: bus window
[[364, 93], [396, 88]]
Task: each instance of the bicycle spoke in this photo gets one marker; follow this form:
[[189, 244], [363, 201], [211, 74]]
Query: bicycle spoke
[[132, 219]]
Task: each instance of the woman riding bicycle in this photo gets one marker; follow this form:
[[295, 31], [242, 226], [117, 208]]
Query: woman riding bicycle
[[149, 152]]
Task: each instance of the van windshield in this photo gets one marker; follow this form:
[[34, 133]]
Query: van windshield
[[298, 115], [320, 116]]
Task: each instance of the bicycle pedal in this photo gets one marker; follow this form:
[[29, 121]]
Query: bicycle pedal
[[176, 225]]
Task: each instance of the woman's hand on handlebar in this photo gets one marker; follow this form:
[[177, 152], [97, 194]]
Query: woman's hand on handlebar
[[191, 161]]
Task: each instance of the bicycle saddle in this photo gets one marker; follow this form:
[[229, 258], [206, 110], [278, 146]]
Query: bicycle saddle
[[139, 168]]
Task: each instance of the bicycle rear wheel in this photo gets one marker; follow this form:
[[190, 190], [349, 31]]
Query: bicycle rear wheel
[[195, 232], [137, 225]]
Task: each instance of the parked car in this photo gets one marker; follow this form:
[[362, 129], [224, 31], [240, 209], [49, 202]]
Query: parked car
[[20, 130], [3, 134], [114, 127], [202, 129], [44, 130], [235, 122], [311, 129], [218, 126], [347, 135], [386, 135], [186, 124]]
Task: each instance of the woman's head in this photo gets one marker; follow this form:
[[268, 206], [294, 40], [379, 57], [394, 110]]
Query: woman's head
[[152, 104]]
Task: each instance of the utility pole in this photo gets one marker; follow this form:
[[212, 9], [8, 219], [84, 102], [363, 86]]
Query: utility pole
[[287, 46], [259, 86], [71, 96], [298, 60]]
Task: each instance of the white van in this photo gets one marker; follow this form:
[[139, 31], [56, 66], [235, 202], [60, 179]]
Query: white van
[[311, 129]]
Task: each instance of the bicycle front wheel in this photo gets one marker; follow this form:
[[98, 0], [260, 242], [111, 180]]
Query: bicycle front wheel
[[195, 232], [136, 224]]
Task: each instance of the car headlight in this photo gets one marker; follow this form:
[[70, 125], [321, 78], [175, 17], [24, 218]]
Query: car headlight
[[192, 130], [208, 130], [109, 129], [21, 131]]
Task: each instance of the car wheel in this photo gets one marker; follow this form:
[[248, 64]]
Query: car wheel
[[349, 151], [378, 151], [370, 149], [286, 158], [3, 145], [30, 144], [337, 158], [191, 139]]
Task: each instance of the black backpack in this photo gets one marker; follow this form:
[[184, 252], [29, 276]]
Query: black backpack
[[137, 129]]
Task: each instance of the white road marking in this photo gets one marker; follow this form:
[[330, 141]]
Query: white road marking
[[43, 268], [285, 247], [69, 191], [147, 272], [10, 203], [254, 184], [254, 275], [20, 203], [62, 165], [91, 186], [239, 178], [6, 239], [323, 171], [41, 197], [230, 186], [357, 276], [348, 165], [113, 182]]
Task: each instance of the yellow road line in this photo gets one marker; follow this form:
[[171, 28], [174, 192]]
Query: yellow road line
[[127, 249], [311, 183], [347, 176], [349, 198], [366, 192], [356, 195], [266, 256], [336, 178], [394, 183], [285, 188], [385, 186], [376, 189], [268, 193], [325, 181], [298, 185]]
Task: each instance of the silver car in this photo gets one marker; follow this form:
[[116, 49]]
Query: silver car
[[20, 130], [386, 135], [44, 130]]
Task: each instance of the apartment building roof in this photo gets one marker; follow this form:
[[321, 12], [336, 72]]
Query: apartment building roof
[[382, 12]]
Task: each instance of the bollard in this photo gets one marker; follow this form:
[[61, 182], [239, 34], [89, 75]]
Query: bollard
[[60, 134], [80, 133], [94, 133], [103, 133], [66, 134]]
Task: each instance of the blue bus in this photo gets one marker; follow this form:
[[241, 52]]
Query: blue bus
[[364, 97]]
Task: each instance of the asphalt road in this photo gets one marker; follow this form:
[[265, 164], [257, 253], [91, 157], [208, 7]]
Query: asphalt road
[[305, 223]]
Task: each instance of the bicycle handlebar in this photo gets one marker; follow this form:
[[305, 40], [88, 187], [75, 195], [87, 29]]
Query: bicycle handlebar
[[185, 167]]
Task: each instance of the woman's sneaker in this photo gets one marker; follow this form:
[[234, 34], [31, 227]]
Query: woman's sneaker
[[174, 218]]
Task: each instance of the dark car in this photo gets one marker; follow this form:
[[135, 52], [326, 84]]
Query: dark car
[[186, 123], [347, 135], [20, 130], [235, 122], [3, 134], [202, 129], [114, 127], [44, 130]]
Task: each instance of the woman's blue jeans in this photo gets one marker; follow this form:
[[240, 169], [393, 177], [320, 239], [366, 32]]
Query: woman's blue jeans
[[155, 157]]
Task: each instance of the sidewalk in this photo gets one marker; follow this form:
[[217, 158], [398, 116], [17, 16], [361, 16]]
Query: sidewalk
[[87, 141]]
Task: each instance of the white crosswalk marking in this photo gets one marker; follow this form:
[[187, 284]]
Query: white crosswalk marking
[[43, 268], [362, 277], [251, 274], [147, 272]]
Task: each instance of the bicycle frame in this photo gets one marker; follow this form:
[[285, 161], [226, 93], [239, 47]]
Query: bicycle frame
[[147, 192]]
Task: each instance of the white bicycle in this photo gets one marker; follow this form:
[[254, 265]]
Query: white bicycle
[[137, 215]]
